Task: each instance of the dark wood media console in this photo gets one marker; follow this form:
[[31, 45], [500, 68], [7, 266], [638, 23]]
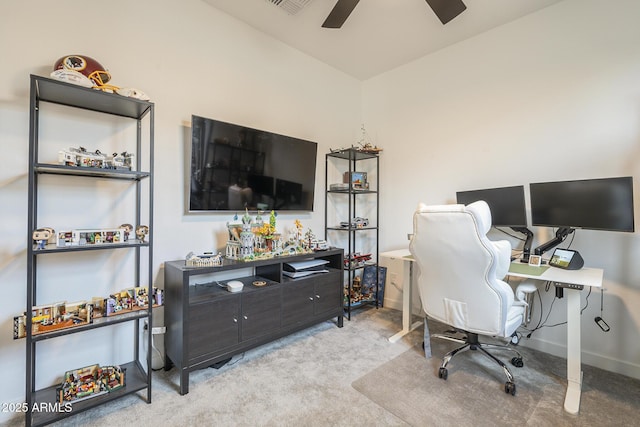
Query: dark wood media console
[[207, 324]]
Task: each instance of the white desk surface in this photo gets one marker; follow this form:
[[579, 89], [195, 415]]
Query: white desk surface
[[585, 276]]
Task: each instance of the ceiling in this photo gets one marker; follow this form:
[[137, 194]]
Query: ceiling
[[379, 35]]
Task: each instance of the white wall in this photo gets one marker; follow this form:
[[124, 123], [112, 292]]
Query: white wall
[[552, 96], [191, 59]]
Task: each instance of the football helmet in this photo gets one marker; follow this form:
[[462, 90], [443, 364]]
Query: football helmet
[[86, 66]]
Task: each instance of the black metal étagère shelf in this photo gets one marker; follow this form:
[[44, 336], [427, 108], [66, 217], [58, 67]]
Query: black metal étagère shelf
[[77, 98], [355, 199]]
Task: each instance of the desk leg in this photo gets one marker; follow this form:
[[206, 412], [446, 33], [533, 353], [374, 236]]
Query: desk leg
[[574, 370], [406, 308]]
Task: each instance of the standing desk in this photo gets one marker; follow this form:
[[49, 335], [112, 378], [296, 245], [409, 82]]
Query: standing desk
[[585, 277], [407, 289]]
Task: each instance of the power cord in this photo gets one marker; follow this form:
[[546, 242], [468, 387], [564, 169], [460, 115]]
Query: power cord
[[599, 320], [153, 346], [543, 324]]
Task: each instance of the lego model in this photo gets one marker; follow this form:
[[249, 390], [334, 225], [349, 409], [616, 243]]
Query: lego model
[[257, 239], [90, 381], [80, 157], [62, 315], [90, 237], [356, 259], [356, 222], [208, 259], [128, 300], [52, 317]]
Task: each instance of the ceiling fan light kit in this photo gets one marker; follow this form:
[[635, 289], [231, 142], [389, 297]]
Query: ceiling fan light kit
[[445, 10]]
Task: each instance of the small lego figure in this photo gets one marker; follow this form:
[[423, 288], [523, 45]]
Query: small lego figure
[[127, 229], [141, 232], [41, 236]]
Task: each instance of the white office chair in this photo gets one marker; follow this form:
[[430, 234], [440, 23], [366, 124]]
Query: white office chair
[[460, 281]]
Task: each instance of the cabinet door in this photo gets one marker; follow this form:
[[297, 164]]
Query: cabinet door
[[328, 292], [260, 312], [213, 326], [297, 302]]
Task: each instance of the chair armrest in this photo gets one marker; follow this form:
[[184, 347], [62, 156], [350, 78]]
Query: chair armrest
[[524, 288]]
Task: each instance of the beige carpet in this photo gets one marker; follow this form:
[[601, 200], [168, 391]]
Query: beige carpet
[[354, 377], [473, 395], [409, 387]]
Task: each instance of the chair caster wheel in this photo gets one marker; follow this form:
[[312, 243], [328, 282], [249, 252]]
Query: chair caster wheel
[[442, 373], [515, 339], [517, 362], [510, 387]]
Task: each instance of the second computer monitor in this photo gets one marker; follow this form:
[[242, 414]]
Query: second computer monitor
[[506, 203], [595, 204]]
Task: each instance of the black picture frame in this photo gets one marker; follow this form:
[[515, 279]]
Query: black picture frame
[[369, 281]]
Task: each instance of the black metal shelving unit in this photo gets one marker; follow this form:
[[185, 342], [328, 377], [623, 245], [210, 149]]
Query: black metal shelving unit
[[138, 372], [351, 158]]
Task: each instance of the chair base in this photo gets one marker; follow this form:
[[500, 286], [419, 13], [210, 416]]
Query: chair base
[[471, 342]]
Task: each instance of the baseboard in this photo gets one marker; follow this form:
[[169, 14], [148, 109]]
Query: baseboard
[[395, 304], [588, 358]]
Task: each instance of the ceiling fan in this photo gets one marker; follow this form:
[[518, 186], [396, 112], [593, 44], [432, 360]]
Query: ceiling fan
[[445, 10]]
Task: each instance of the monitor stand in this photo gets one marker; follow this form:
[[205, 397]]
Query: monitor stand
[[526, 250], [561, 234]]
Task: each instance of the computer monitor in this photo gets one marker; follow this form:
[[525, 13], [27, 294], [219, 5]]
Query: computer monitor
[[507, 210], [506, 204], [593, 204]]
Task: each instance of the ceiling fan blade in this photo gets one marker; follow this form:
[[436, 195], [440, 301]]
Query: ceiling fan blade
[[340, 13], [446, 10]]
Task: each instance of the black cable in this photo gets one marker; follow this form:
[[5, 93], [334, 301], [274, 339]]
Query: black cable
[[531, 331], [509, 234], [586, 300], [541, 324]]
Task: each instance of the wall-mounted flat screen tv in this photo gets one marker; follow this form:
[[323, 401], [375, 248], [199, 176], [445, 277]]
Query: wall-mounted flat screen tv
[[234, 167], [506, 204], [596, 204]]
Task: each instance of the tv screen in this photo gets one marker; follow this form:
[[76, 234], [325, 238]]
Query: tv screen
[[234, 167], [506, 204], [596, 204]]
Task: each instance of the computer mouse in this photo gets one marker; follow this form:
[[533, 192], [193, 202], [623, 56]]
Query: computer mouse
[[234, 285]]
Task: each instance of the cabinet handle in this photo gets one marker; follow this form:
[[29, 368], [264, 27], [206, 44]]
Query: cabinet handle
[[235, 320], [245, 317], [310, 298], [318, 296]]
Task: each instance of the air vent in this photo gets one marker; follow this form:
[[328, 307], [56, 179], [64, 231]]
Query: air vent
[[290, 6]]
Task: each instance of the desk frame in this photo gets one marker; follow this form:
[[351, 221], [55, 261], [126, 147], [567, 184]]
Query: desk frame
[[585, 277], [407, 293]]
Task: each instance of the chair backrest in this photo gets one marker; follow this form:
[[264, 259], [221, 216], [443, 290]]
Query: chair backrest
[[458, 265]]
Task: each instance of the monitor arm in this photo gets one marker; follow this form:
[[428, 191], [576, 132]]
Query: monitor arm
[[561, 234], [526, 250]]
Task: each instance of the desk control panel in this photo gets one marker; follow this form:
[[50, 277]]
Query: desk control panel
[[569, 286]]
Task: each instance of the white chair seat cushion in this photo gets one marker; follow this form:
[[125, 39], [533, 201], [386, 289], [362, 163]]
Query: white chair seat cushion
[[515, 316]]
